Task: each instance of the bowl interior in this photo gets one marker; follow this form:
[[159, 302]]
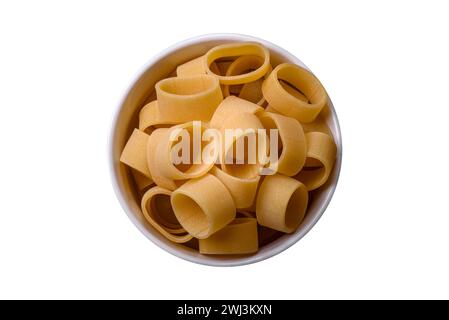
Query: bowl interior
[[142, 91]]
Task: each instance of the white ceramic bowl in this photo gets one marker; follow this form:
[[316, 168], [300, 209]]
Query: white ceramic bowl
[[126, 118]]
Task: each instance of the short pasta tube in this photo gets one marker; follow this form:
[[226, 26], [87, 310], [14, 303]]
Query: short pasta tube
[[321, 151], [156, 174], [281, 203], [183, 99], [161, 217], [203, 206], [288, 104], [239, 49], [189, 162], [291, 142]]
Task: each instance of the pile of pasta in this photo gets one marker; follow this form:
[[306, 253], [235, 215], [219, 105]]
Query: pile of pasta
[[224, 208]]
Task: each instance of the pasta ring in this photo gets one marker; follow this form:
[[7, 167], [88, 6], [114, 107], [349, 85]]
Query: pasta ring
[[203, 206], [318, 125], [243, 191], [239, 49], [238, 237], [292, 142], [321, 148], [281, 203], [183, 99], [134, 154], [150, 116], [240, 65], [286, 103], [165, 163], [156, 174], [149, 212]]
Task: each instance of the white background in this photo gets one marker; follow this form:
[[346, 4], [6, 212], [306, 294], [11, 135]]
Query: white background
[[63, 69]]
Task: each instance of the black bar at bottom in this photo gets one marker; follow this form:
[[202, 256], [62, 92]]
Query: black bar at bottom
[[217, 309]]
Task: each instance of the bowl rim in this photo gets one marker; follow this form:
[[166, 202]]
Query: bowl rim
[[244, 260]]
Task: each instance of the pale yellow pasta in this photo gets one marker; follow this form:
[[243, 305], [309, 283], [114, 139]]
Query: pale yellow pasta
[[252, 208], [230, 107], [320, 147], [243, 191], [293, 91], [183, 99], [242, 166], [245, 63], [318, 125], [291, 140], [150, 117], [252, 92], [151, 213], [238, 237], [236, 196], [288, 104], [195, 67], [134, 154], [223, 66], [281, 203], [164, 156], [242, 120], [156, 174], [241, 65], [239, 49], [203, 206]]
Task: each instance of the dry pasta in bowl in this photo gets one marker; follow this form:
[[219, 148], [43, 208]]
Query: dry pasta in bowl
[[228, 150]]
